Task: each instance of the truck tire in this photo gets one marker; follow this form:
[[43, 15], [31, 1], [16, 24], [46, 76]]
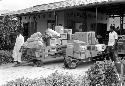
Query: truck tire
[[72, 64]]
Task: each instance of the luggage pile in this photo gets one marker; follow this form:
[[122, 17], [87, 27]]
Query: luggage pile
[[52, 33], [35, 41]]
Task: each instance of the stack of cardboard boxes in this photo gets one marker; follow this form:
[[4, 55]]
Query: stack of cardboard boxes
[[83, 48], [65, 34], [70, 49], [53, 42], [77, 49], [88, 37]]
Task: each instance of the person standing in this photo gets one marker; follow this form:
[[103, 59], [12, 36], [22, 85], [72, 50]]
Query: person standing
[[112, 44], [17, 48]]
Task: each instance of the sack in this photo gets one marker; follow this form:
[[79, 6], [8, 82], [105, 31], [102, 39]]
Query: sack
[[34, 44], [52, 33]]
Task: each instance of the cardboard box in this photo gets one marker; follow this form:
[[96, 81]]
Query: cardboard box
[[72, 37], [79, 55], [100, 47], [79, 45], [76, 54], [93, 53], [87, 53], [93, 41], [59, 29], [92, 34], [53, 42], [83, 55], [64, 42], [63, 36], [69, 36], [69, 51], [52, 50], [46, 53], [91, 48], [88, 37], [68, 31], [59, 41], [83, 36]]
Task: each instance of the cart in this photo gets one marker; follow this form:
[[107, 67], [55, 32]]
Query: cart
[[71, 61], [39, 58]]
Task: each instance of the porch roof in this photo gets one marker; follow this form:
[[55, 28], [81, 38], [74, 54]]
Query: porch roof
[[67, 4], [56, 6]]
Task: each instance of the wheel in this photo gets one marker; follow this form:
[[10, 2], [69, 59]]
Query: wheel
[[39, 63], [72, 65]]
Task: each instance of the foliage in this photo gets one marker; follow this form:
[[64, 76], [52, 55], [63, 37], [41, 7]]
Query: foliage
[[102, 73], [55, 79], [5, 57], [8, 28]]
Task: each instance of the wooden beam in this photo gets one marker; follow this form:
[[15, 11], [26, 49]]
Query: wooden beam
[[96, 20]]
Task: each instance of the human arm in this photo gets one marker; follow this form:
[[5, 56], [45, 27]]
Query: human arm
[[116, 39]]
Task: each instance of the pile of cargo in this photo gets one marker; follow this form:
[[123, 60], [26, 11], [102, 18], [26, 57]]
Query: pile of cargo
[[35, 41], [33, 46], [79, 45], [90, 45], [88, 37]]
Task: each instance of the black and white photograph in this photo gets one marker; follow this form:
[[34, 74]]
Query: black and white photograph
[[62, 42]]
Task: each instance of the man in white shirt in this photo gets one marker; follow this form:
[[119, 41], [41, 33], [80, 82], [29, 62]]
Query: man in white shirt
[[17, 52], [112, 43]]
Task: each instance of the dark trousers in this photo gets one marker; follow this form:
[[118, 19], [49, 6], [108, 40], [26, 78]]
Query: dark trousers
[[113, 54]]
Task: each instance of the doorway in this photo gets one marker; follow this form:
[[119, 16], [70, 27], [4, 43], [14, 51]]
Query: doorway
[[25, 31], [101, 31], [51, 24]]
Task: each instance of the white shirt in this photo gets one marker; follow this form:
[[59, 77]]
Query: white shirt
[[19, 42], [112, 36]]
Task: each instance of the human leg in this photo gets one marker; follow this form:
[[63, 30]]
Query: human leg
[[110, 52]]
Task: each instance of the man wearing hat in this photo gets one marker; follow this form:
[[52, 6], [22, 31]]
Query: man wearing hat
[[17, 48]]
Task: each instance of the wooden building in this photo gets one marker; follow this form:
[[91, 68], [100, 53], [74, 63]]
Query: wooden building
[[92, 15]]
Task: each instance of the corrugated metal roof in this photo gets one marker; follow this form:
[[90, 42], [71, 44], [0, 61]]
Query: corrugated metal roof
[[56, 5]]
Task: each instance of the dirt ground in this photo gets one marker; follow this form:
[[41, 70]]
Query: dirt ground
[[8, 72]]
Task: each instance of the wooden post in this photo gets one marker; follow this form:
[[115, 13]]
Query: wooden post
[[56, 18], [122, 72], [96, 20]]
